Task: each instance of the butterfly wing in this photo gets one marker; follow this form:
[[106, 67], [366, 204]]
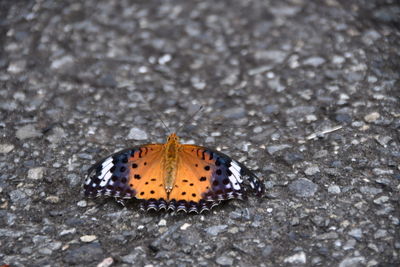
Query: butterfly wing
[[205, 177], [135, 172]]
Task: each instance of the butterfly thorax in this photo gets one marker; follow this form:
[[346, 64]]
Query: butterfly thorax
[[171, 161]]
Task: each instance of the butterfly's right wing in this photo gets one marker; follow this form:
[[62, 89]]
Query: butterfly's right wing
[[205, 177]]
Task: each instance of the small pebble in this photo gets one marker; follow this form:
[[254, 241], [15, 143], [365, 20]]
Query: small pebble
[[6, 148], [16, 67], [380, 233], [62, 62], [198, 83], [162, 222], [185, 226], [298, 258], [312, 170], [314, 61], [349, 244], [82, 203], [84, 255], [369, 190], [352, 262], [381, 200], [27, 131], [88, 238], [372, 117], [36, 173], [356, 233], [329, 235], [334, 189], [303, 188], [215, 230], [164, 59], [67, 232], [106, 262], [137, 134], [275, 148], [233, 230], [224, 261], [53, 199], [234, 113], [379, 171]]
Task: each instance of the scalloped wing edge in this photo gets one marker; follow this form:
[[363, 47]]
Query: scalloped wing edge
[[177, 206]]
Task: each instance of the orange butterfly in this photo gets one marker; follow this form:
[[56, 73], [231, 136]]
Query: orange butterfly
[[170, 176]]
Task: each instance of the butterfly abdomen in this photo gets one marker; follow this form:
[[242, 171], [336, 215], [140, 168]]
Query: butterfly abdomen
[[170, 163]]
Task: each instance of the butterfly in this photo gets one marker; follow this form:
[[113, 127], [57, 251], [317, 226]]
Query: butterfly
[[171, 176]]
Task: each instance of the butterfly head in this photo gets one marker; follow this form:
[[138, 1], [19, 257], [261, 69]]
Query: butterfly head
[[173, 138]]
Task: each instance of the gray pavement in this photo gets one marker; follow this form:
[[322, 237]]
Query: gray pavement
[[305, 93]]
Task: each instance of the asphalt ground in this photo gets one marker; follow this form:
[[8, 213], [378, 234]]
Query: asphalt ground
[[304, 93]]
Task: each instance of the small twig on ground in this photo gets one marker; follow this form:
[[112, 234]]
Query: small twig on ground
[[321, 133]]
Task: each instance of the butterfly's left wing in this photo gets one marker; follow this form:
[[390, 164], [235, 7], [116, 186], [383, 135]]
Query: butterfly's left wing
[[205, 177], [134, 172]]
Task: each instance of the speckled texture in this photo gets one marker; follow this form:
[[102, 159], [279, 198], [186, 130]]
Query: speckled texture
[[305, 93]]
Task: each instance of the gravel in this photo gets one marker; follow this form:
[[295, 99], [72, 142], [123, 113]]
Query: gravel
[[305, 93], [84, 254], [6, 148], [224, 261], [334, 189], [28, 131], [303, 188], [215, 230], [298, 258], [36, 173]]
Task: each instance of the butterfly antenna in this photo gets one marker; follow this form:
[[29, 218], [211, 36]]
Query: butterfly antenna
[[189, 118], [163, 123]]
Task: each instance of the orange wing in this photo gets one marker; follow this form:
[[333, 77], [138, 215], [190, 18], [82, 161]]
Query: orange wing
[[204, 177], [134, 172]]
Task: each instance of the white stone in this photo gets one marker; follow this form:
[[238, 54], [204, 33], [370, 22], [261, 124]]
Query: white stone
[[312, 170], [6, 148], [88, 238], [106, 262], [314, 61], [224, 261], [373, 116], [338, 59], [334, 189], [36, 173], [53, 199], [381, 200], [67, 232], [185, 226], [137, 134], [62, 62], [27, 131], [82, 203], [350, 262], [164, 59], [298, 258], [16, 67]]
